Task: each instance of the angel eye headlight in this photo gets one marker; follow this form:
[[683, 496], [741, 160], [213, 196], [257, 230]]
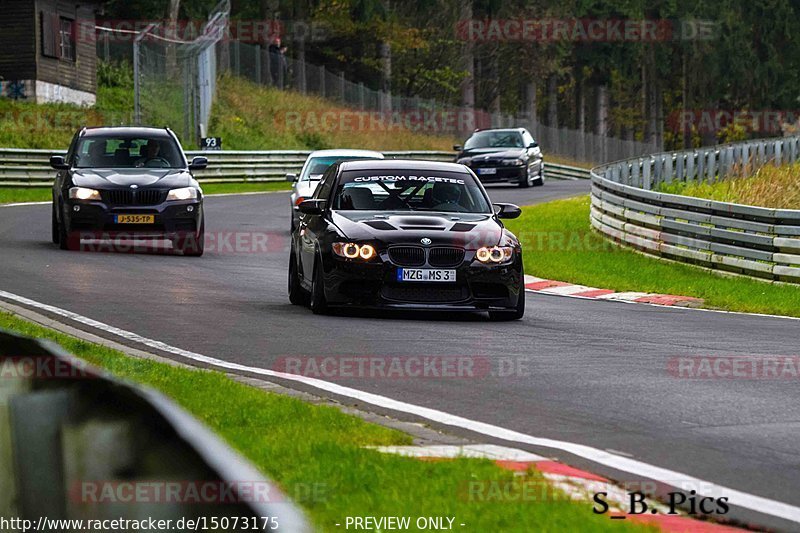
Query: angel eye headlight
[[367, 252], [351, 250], [483, 255], [494, 254]]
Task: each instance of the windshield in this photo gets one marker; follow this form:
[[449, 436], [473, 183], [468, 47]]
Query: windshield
[[317, 166], [495, 139], [410, 190], [115, 151]]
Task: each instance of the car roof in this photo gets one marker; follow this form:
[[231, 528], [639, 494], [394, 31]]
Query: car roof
[[346, 153], [518, 130], [404, 164], [125, 131]]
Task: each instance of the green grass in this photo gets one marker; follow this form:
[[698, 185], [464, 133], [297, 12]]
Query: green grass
[[42, 194], [253, 117], [768, 186], [302, 445], [559, 244]]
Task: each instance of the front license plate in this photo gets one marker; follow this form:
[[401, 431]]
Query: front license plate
[[135, 219], [425, 274], [485, 171]]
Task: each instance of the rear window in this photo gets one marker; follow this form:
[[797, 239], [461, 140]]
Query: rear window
[[318, 165], [421, 190]]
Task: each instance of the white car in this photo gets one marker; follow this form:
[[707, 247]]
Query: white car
[[317, 163]]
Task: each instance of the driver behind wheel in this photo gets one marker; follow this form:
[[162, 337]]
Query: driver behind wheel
[[444, 195], [151, 151]]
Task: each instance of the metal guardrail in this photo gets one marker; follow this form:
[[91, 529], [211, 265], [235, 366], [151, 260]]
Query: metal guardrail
[[76, 443], [757, 241], [30, 168]]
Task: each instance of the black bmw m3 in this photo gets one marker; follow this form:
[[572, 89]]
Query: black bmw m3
[[397, 234]]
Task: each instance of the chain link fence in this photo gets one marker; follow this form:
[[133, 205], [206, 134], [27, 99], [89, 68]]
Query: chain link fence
[[175, 80], [175, 85]]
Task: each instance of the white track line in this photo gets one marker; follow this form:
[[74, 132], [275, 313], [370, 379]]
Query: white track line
[[624, 464], [471, 451]]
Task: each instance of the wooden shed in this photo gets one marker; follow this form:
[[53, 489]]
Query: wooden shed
[[48, 51]]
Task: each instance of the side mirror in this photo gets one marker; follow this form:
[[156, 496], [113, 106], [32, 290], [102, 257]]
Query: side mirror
[[58, 162], [507, 211], [311, 207], [534, 144], [458, 147], [198, 163], [291, 177]]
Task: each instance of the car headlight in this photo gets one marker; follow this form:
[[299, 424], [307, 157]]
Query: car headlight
[[351, 250], [82, 193], [513, 162], [494, 254], [464, 161], [186, 193]]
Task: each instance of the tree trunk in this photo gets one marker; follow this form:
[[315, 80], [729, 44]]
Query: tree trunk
[[385, 54], [172, 33], [494, 81], [552, 101], [530, 104], [467, 62], [602, 121], [581, 122]]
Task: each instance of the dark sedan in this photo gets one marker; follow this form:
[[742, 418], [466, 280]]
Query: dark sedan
[[503, 156], [406, 235], [127, 183]]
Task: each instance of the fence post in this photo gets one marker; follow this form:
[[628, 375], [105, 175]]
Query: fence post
[[322, 81], [258, 64], [361, 96], [237, 58], [341, 86]]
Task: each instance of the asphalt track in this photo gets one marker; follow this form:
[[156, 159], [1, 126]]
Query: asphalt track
[[595, 372]]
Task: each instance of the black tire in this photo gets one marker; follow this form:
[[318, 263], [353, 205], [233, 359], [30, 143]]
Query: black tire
[[318, 303], [540, 180], [194, 245], [54, 223], [516, 314], [297, 296], [67, 240], [526, 181]]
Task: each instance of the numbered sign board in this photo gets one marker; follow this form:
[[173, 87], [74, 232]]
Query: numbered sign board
[[211, 143]]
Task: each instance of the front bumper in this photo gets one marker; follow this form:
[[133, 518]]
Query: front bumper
[[95, 219], [478, 287], [506, 174]]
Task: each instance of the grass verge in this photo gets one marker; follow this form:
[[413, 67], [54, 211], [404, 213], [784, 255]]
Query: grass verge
[[559, 244], [770, 186], [300, 445], [24, 194], [253, 117]]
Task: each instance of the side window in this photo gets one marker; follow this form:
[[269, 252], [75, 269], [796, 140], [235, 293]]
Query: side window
[[527, 138], [324, 189]]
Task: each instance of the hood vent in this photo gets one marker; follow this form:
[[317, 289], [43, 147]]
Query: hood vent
[[380, 224], [426, 228], [461, 226]]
